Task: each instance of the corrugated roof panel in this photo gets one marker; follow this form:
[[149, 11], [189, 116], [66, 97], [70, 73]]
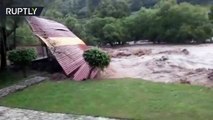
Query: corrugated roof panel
[[67, 48], [94, 73], [82, 73]]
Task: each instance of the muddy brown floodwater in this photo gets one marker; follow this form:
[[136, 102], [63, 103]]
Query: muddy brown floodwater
[[189, 64]]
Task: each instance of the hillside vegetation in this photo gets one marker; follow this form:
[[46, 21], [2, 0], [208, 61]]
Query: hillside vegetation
[[81, 7], [115, 22]]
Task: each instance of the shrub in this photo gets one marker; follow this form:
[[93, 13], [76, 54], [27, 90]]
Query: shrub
[[22, 58], [96, 59]]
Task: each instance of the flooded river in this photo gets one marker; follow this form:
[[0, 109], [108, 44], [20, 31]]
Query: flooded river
[[191, 64]]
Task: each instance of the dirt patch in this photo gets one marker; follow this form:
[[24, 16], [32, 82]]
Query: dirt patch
[[58, 76], [169, 64]]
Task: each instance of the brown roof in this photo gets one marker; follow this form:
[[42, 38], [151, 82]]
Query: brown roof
[[67, 48]]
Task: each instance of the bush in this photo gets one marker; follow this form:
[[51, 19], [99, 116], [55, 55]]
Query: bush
[[96, 58], [22, 58]]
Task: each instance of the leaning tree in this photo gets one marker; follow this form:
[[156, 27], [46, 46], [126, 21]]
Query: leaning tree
[[96, 59]]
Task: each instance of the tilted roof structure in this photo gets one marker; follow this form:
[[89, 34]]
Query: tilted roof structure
[[67, 48]]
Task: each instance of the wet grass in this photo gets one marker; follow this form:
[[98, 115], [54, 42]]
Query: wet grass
[[122, 98], [8, 78]]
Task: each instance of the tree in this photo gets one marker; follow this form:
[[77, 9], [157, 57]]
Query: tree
[[170, 22], [25, 36], [202, 2], [111, 34], [22, 58], [94, 28], [115, 33], [7, 27], [3, 45], [91, 6], [113, 8], [74, 25], [96, 59], [141, 25], [184, 16], [211, 14], [5, 33], [136, 5], [53, 14]]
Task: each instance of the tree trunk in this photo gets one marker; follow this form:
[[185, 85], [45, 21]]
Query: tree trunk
[[3, 44], [14, 39], [111, 44], [88, 7], [90, 72], [24, 70], [3, 49]]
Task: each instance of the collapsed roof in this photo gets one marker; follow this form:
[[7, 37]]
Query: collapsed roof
[[65, 46]]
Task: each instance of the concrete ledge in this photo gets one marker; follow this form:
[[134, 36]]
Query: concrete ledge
[[21, 114], [21, 85]]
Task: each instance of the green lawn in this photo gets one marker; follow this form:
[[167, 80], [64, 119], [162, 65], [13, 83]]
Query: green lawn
[[123, 98], [8, 78]]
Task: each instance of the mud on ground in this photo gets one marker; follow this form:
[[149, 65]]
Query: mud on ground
[[187, 64]]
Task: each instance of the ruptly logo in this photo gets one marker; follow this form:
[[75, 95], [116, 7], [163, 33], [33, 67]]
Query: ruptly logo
[[21, 11]]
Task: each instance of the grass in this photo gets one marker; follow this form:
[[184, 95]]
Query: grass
[[8, 78], [123, 98]]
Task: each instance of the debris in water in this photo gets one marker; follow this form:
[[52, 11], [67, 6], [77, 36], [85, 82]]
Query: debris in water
[[141, 52], [185, 51], [163, 58], [210, 76]]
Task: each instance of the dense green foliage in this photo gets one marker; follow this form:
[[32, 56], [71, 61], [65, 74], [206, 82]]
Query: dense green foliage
[[96, 58], [112, 8], [86, 8], [73, 24], [24, 36], [211, 14], [22, 57], [106, 30], [132, 99], [115, 22], [173, 23], [8, 26]]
